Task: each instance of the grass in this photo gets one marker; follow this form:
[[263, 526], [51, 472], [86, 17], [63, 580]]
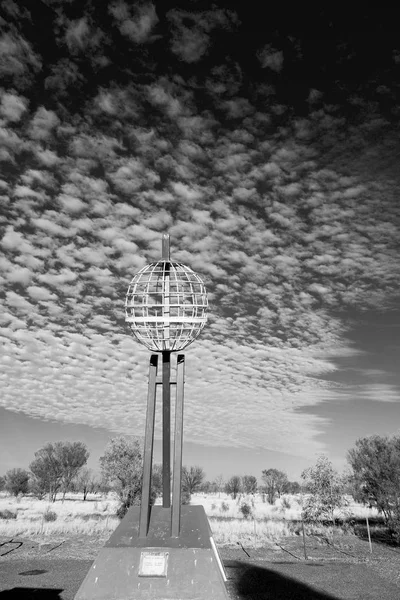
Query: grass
[[267, 523], [96, 516]]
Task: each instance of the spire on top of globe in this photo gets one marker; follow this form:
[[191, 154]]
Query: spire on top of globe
[[166, 304]]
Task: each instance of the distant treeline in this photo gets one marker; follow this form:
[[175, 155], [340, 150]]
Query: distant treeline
[[373, 478]]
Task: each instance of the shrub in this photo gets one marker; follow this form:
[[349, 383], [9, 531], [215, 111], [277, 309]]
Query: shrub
[[121, 511], [7, 514], [286, 503], [128, 502], [245, 509], [121, 466], [224, 507], [50, 515], [16, 481], [92, 517], [185, 497], [325, 492]]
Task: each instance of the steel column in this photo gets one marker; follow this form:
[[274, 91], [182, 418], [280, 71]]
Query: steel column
[[166, 429], [148, 448], [178, 443]]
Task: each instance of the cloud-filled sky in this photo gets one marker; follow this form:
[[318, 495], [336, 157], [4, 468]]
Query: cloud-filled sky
[[269, 152]]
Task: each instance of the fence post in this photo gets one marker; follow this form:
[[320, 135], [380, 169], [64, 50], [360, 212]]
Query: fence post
[[369, 535], [304, 540]]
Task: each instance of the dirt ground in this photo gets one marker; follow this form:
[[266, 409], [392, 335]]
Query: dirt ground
[[346, 563]]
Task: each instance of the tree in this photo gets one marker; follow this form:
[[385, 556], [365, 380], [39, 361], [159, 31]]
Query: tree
[[207, 487], [293, 487], [375, 462], [275, 483], [249, 484], [47, 471], [121, 466], [219, 483], [55, 466], [2, 483], [72, 456], [192, 478], [325, 489], [233, 486], [17, 481], [84, 482]]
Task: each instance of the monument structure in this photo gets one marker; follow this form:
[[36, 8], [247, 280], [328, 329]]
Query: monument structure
[[161, 551]]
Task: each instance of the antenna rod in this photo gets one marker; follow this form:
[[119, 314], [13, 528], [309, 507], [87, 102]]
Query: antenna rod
[[165, 247]]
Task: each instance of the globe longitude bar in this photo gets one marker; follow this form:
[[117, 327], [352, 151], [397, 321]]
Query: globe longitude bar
[[166, 392]]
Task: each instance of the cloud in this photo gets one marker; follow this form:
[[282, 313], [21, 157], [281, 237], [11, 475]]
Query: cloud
[[15, 242], [39, 293], [136, 23], [18, 61], [77, 35], [191, 33], [95, 375], [20, 275], [272, 58], [42, 124], [12, 106]]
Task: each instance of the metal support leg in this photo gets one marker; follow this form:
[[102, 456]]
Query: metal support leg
[[178, 443], [148, 448], [166, 429]]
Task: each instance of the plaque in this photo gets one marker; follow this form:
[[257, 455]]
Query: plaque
[[153, 564]]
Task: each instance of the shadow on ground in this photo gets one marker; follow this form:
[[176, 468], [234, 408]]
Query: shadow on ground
[[379, 534], [23, 593], [251, 582]]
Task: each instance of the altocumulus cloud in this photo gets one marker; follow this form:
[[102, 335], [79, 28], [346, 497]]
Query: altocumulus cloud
[[285, 208]]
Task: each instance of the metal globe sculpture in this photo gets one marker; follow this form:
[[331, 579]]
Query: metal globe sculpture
[[166, 305], [166, 309]]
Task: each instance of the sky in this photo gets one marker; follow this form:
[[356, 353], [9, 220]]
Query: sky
[[269, 151]]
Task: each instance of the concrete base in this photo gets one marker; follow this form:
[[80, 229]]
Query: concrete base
[[158, 566]]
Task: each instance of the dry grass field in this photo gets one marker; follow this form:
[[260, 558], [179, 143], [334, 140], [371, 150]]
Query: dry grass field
[[74, 516], [266, 524]]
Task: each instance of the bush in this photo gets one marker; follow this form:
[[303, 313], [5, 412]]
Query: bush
[[286, 503], [50, 515], [121, 511], [17, 481], [245, 509], [224, 507], [185, 497], [7, 514], [92, 517], [127, 503], [121, 466], [325, 495]]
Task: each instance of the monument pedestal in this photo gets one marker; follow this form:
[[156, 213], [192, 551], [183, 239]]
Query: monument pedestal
[[158, 566]]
